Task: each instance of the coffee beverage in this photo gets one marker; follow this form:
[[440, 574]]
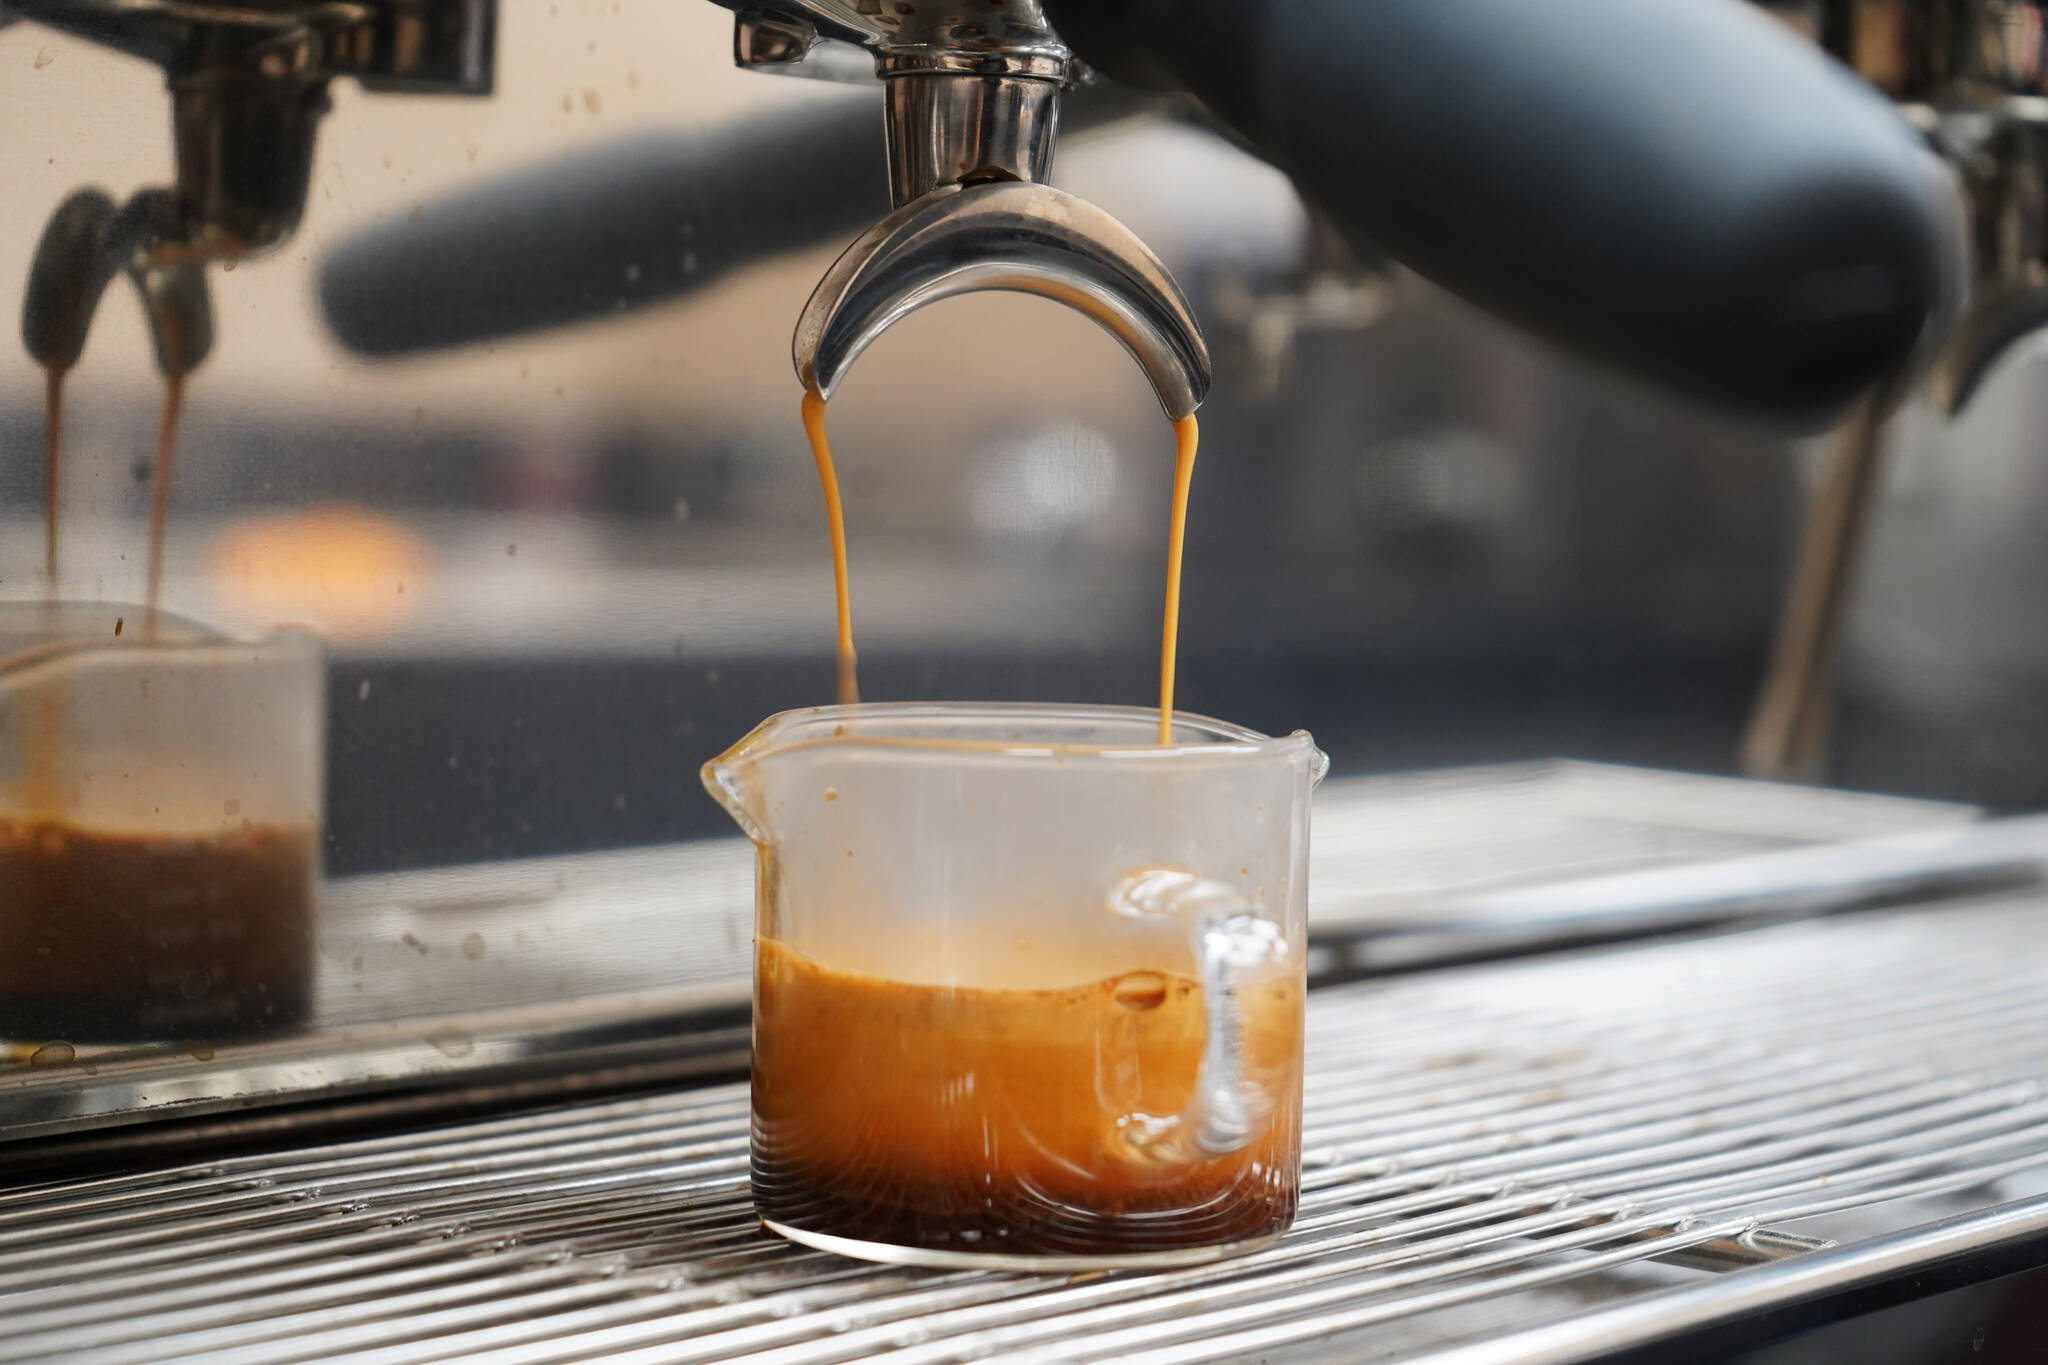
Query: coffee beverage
[[982, 1120], [115, 937]]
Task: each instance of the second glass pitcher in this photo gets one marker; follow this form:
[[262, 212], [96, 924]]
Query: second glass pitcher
[[1028, 988], [160, 817]]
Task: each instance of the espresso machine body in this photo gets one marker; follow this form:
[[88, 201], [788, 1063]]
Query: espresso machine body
[[1523, 340]]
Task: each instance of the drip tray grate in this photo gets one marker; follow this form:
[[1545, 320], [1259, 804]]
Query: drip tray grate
[[1545, 1134]]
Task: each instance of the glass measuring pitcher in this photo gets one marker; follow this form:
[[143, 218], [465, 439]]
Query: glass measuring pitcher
[[160, 804], [1028, 988]]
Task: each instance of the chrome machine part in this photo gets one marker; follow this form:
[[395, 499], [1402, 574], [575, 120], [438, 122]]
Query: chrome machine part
[[970, 122], [949, 127], [1973, 76], [973, 88], [965, 36], [248, 84], [1031, 238]]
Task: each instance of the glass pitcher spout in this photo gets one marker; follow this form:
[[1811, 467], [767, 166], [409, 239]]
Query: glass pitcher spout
[[734, 778]]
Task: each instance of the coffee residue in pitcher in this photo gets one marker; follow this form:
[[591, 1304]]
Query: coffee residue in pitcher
[[118, 937]]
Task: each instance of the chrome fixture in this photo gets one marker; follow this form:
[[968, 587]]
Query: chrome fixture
[[248, 84], [970, 119]]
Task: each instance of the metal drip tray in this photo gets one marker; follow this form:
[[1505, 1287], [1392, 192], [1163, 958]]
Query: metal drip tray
[[527, 976], [1537, 1160]]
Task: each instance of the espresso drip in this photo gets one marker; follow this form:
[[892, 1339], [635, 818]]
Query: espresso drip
[[835, 521], [160, 493], [1186, 435], [53, 470]]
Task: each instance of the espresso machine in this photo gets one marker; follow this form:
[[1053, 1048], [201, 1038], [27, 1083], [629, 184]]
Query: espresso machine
[[1660, 272], [1969, 76], [1796, 1092], [248, 87], [1719, 257]]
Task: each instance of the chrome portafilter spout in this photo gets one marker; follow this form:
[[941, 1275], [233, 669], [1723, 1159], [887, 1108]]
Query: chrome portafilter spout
[[248, 83], [971, 116], [87, 242], [1031, 239]]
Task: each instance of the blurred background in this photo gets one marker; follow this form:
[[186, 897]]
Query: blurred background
[[560, 571]]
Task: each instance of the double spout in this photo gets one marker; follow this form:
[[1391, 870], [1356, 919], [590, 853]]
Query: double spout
[[1028, 238], [971, 115], [248, 84]]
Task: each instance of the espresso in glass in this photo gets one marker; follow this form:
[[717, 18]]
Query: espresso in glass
[[1028, 985], [122, 937], [979, 1120], [160, 798]]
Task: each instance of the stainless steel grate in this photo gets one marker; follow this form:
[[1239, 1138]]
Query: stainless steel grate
[[1476, 1136], [532, 974]]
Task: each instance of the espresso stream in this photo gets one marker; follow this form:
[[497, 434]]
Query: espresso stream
[[160, 493], [53, 470], [1186, 435], [983, 1120], [835, 521]]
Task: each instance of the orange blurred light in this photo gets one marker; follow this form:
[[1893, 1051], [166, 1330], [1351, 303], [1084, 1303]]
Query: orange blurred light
[[343, 570]]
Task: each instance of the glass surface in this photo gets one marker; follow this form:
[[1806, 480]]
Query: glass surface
[[160, 793], [1065, 966]]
